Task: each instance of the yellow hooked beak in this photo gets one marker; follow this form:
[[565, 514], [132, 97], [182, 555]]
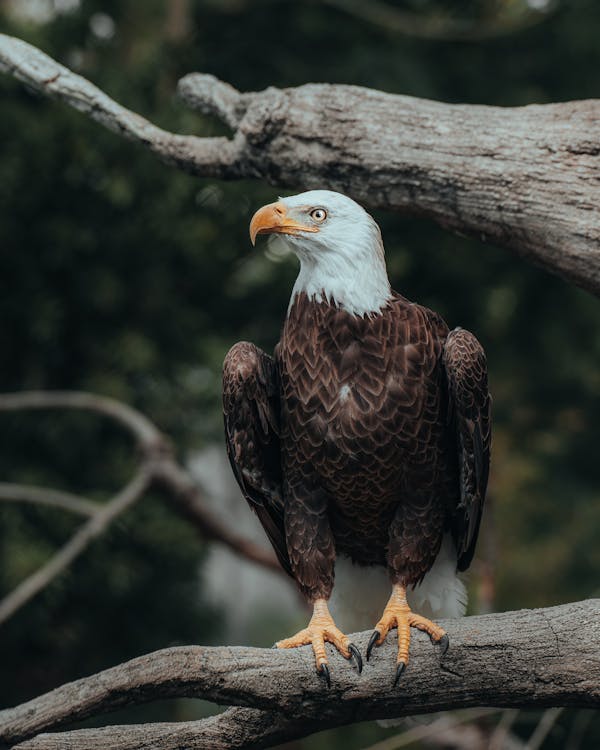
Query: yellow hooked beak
[[273, 219]]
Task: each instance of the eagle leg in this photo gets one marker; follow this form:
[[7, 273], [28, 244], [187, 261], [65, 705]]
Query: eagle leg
[[322, 629], [397, 614]]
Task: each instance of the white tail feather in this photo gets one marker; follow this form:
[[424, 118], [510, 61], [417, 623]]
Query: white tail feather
[[441, 593], [360, 593]]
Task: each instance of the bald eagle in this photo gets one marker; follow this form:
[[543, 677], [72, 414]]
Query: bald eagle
[[363, 444]]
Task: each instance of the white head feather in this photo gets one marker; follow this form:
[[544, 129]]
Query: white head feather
[[343, 262]]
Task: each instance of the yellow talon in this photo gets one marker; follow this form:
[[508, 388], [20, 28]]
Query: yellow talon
[[322, 629], [397, 614]]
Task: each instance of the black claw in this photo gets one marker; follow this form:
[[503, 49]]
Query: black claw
[[399, 670], [374, 638], [324, 672], [355, 654], [443, 643]]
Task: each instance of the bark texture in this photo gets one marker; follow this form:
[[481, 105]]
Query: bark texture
[[525, 178], [529, 658]]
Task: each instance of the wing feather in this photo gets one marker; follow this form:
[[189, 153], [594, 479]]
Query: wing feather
[[470, 416], [251, 416]]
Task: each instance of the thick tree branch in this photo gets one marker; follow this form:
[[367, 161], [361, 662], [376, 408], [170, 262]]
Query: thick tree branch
[[158, 467], [524, 178], [529, 658], [211, 156]]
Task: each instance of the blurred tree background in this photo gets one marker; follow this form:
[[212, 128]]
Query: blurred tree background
[[125, 277]]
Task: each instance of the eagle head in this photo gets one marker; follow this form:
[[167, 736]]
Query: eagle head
[[338, 244]]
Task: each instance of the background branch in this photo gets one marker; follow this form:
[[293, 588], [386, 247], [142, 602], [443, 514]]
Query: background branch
[[82, 538], [441, 731], [543, 728], [45, 496], [146, 435], [440, 27], [523, 178], [158, 467], [529, 658]]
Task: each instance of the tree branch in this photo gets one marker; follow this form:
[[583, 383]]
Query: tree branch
[[186, 498], [91, 530], [543, 728], [500, 737], [529, 658], [429, 24], [25, 493], [439, 27], [524, 178], [146, 435], [445, 725], [158, 467], [181, 489]]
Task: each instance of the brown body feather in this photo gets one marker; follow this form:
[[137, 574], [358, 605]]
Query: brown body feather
[[366, 435]]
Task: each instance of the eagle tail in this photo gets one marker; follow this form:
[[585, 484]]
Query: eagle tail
[[442, 593]]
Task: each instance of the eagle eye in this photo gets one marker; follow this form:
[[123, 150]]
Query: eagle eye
[[319, 215]]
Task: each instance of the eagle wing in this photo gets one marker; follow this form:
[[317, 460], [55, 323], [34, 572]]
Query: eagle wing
[[251, 415], [470, 418]]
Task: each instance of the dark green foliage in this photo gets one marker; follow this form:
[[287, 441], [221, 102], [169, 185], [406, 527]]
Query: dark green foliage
[[123, 276]]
